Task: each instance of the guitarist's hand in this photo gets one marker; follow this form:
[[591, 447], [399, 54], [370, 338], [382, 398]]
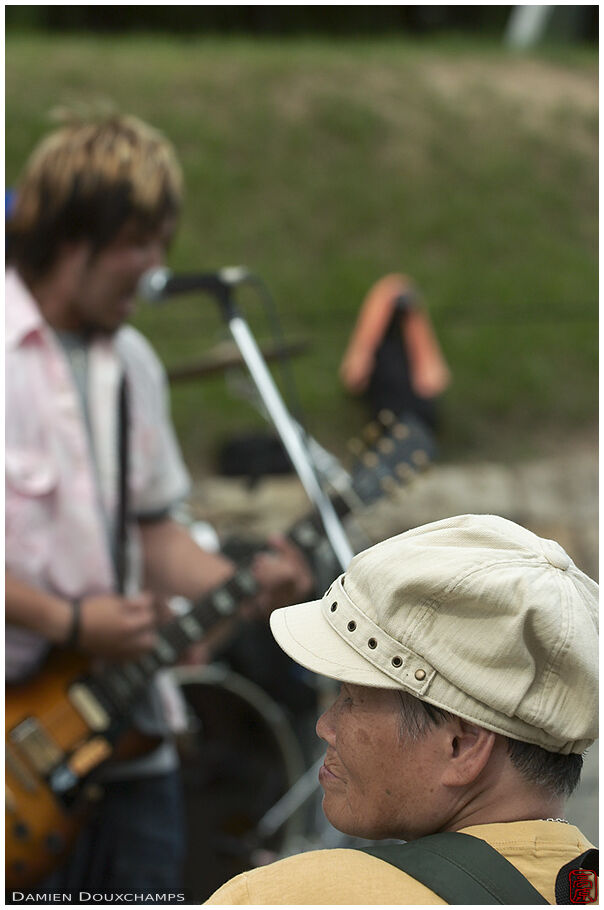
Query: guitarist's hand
[[117, 627], [284, 575]]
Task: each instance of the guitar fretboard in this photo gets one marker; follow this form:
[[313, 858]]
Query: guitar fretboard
[[118, 686]]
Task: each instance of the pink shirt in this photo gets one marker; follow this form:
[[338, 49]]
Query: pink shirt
[[56, 535]]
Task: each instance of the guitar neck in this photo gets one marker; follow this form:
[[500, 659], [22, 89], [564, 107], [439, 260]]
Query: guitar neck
[[394, 460]]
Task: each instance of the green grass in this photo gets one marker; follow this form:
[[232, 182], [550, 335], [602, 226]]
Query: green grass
[[322, 165]]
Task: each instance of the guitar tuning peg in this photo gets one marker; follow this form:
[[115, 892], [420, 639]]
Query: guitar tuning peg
[[405, 472], [420, 458], [372, 432], [385, 446], [386, 417], [356, 446], [400, 431], [370, 460], [389, 485]]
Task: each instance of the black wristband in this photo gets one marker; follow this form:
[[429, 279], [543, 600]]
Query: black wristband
[[74, 630]]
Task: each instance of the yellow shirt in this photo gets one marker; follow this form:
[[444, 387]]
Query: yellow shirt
[[537, 848]]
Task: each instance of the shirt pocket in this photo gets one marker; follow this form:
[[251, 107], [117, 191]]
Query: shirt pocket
[[32, 479]]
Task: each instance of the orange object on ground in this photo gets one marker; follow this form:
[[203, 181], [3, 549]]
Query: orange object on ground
[[394, 344]]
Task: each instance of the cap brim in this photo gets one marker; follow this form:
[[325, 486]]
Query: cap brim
[[306, 636]]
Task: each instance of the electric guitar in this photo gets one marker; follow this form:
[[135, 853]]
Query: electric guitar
[[67, 722]]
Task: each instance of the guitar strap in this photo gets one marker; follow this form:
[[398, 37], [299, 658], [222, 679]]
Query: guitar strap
[[461, 869], [121, 522]]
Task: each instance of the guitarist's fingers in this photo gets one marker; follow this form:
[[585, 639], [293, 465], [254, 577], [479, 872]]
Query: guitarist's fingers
[[142, 642], [282, 578], [296, 564], [144, 613], [135, 641], [162, 610], [143, 602], [137, 622], [113, 626]]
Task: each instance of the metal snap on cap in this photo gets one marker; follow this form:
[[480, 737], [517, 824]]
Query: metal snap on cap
[[420, 674], [555, 555]]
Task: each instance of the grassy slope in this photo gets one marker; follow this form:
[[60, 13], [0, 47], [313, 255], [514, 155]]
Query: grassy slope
[[323, 165]]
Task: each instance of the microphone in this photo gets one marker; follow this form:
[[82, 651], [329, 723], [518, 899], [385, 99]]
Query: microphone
[[158, 284]]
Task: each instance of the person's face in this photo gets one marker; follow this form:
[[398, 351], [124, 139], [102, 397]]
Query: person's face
[[104, 288], [377, 781]]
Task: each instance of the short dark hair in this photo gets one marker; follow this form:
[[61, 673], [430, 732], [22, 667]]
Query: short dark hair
[[557, 773], [85, 181], [560, 774]]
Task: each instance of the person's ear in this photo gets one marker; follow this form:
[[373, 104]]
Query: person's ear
[[71, 259], [469, 748]]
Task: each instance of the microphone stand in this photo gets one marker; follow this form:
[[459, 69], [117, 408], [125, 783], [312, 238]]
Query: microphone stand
[[288, 431]]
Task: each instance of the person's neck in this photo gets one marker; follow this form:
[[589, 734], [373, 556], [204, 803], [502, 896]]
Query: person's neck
[[508, 810], [503, 795]]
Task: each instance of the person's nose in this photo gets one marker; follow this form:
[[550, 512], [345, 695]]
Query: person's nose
[[155, 255], [325, 727]]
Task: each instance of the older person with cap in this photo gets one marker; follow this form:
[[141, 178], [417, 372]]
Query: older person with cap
[[467, 655]]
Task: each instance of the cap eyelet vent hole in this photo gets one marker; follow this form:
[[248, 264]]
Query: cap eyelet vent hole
[[334, 607], [397, 662], [351, 625], [372, 643]]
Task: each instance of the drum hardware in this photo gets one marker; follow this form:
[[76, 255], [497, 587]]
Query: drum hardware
[[225, 356], [239, 755], [290, 802]]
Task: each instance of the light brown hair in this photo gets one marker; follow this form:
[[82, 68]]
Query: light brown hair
[[85, 180]]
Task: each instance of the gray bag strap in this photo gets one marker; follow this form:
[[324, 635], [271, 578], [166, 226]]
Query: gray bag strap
[[461, 869]]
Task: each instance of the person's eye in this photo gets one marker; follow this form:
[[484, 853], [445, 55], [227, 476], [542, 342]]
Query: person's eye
[[345, 697]]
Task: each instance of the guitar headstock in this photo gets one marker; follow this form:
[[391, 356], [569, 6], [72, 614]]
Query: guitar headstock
[[391, 453]]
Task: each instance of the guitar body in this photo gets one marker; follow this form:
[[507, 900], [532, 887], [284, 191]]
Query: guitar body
[[44, 730]]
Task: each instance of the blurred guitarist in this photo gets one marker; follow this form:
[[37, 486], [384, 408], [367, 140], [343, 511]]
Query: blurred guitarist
[[93, 467]]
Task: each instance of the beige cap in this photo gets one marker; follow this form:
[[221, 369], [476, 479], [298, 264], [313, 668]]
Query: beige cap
[[474, 614]]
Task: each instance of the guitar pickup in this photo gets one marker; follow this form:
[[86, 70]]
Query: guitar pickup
[[32, 741], [89, 707], [15, 766]]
